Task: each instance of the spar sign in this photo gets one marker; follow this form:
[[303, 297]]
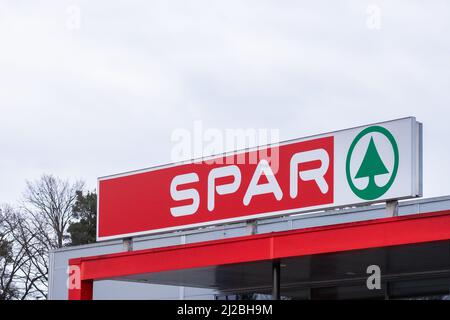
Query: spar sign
[[357, 166]]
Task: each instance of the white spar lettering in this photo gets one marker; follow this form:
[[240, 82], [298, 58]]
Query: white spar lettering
[[222, 172], [187, 194], [271, 186], [313, 174]]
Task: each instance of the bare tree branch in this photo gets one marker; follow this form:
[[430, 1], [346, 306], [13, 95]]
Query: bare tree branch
[[29, 234]]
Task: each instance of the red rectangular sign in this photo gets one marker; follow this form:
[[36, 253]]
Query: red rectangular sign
[[237, 187]]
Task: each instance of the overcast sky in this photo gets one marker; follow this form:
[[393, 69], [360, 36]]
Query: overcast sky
[[91, 88]]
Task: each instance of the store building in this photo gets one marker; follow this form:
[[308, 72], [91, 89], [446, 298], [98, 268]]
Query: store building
[[326, 219]]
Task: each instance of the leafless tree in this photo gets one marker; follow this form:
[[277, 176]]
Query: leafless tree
[[29, 233], [22, 264], [49, 203], [7, 260], [47, 206], [13, 256]]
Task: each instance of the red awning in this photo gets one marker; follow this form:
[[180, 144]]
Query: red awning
[[394, 231]]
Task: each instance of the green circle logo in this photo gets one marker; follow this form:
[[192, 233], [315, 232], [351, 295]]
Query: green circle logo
[[372, 164]]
